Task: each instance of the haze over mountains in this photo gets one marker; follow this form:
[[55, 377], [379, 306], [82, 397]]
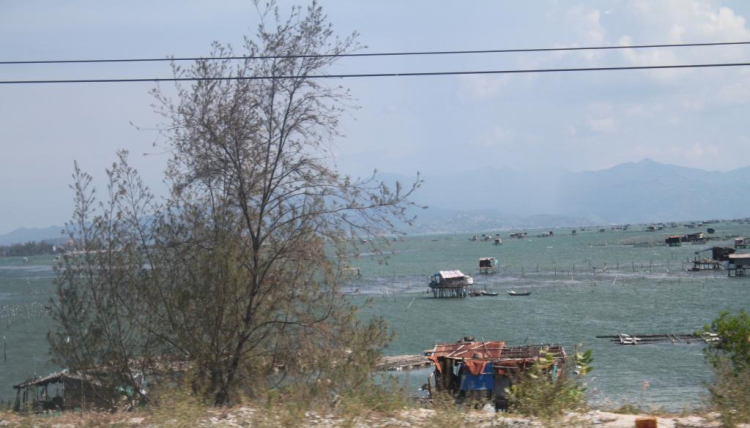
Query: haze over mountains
[[52, 234], [635, 192], [504, 198]]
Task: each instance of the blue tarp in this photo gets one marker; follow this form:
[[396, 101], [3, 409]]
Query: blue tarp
[[483, 382]]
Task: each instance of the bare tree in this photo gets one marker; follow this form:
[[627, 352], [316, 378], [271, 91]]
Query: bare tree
[[238, 273]]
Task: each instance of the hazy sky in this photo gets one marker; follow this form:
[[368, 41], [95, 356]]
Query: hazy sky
[[580, 121]]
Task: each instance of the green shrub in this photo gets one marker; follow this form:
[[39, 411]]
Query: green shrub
[[537, 392], [730, 360]]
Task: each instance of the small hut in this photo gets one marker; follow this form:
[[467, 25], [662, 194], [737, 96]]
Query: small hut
[[470, 369], [694, 237], [450, 283], [62, 390], [739, 265], [488, 265], [673, 241], [721, 254]]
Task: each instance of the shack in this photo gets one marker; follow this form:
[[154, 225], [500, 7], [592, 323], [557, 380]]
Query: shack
[[739, 265], [740, 243], [722, 254], [693, 237], [470, 369], [488, 265], [673, 241], [719, 255], [62, 390], [450, 283]]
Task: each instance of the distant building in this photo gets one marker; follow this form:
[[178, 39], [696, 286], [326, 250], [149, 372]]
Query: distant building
[[739, 265], [488, 265], [450, 283]]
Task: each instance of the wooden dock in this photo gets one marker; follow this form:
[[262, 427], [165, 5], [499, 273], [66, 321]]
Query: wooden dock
[[402, 362], [644, 339]]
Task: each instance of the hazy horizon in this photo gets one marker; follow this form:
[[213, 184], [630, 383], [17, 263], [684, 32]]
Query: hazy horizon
[[574, 121]]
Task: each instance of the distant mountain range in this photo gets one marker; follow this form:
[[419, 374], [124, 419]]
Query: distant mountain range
[[635, 192], [52, 234], [503, 198]]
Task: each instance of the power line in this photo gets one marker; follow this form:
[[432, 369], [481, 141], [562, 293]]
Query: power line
[[374, 54], [364, 75]]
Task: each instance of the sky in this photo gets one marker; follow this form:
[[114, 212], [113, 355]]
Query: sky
[[574, 121]]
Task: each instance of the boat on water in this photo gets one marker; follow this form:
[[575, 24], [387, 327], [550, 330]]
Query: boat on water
[[482, 293], [626, 339], [513, 293]]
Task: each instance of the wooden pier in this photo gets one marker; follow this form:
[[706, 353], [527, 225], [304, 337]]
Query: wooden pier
[[646, 339], [705, 264], [402, 362]]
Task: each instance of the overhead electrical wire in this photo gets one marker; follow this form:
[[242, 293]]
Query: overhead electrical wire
[[370, 75], [375, 54]]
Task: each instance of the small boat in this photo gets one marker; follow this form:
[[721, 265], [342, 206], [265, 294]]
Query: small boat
[[626, 339], [513, 293], [481, 293]]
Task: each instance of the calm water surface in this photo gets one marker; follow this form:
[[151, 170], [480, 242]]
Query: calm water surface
[[582, 286]]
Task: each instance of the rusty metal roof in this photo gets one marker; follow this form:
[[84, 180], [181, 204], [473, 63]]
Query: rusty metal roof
[[485, 350], [494, 350]]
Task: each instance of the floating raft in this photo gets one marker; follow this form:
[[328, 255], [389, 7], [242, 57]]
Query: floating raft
[[644, 339], [402, 362]]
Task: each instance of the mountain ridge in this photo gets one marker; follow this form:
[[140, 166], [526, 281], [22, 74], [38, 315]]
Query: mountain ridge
[[633, 192], [26, 234], [492, 198]]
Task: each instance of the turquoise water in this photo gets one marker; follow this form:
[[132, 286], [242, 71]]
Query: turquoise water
[[582, 286], [25, 290], [586, 285]]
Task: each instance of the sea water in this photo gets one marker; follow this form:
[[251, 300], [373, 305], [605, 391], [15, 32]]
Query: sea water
[[582, 286]]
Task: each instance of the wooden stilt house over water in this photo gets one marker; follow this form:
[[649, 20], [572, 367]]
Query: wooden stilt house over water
[[740, 243], [739, 265], [469, 369], [722, 253], [719, 255], [488, 265], [450, 283], [694, 237], [673, 241]]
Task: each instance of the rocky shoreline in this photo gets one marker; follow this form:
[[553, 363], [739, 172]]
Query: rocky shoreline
[[249, 417]]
